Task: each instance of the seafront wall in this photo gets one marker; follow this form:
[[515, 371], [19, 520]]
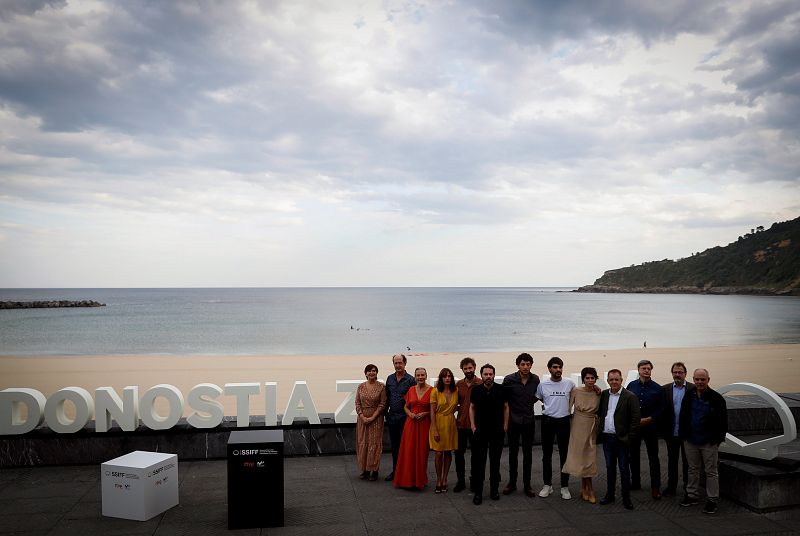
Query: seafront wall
[[747, 415]]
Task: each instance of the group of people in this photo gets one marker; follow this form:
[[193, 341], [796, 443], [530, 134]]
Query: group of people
[[478, 412]]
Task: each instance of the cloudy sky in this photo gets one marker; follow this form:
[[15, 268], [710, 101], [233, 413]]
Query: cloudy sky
[[388, 143]]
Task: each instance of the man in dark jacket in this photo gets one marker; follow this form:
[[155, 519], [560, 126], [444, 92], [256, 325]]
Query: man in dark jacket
[[674, 394], [703, 426], [618, 424]]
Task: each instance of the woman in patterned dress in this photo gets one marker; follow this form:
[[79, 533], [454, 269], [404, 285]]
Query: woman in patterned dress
[[370, 402], [443, 433]]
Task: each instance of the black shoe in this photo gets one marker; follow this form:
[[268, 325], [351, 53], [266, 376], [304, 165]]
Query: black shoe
[[477, 499], [459, 487], [389, 477], [688, 501], [668, 492], [511, 488], [627, 504], [710, 507], [364, 475], [607, 500], [494, 495]]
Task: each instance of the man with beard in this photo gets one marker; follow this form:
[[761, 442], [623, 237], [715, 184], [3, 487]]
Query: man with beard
[[673, 397], [488, 413], [463, 424], [554, 394], [397, 385]]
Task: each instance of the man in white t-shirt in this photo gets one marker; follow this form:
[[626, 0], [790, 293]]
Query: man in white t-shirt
[[554, 394]]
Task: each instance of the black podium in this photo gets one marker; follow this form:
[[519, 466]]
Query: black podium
[[255, 479]]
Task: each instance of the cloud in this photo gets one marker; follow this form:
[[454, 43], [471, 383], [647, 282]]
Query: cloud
[[433, 118]]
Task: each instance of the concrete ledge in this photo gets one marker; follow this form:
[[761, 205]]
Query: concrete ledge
[[761, 487], [45, 447]]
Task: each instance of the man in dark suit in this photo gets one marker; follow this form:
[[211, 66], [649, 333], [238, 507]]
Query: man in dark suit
[[673, 396], [618, 419]]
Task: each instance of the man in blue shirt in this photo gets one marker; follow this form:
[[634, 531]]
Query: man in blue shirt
[[651, 403], [673, 396], [397, 385]]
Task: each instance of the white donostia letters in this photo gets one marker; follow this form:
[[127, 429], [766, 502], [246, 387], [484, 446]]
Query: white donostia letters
[[150, 416], [11, 400], [242, 392], [125, 411], [300, 395], [57, 419], [270, 403], [346, 412], [765, 449], [208, 412]]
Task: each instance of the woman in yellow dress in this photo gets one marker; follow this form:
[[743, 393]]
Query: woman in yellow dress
[[443, 432]]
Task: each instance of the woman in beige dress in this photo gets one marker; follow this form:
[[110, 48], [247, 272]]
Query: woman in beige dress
[[582, 452], [370, 402]]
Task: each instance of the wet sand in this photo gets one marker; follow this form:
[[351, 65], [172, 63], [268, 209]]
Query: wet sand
[[775, 366]]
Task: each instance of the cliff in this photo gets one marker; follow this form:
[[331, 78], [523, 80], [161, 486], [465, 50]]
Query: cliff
[[763, 261]]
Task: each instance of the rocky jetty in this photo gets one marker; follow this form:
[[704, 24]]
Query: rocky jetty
[[49, 304]]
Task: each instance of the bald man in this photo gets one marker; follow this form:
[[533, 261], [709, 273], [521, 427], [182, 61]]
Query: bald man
[[703, 424]]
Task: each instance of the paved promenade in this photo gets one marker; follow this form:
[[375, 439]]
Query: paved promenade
[[325, 497]]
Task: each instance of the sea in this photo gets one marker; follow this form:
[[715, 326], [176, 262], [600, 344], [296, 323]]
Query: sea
[[357, 321]]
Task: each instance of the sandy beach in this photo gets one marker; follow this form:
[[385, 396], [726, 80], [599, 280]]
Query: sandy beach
[[776, 366]]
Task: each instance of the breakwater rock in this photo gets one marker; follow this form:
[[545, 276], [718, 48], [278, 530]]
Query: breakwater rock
[[49, 304]]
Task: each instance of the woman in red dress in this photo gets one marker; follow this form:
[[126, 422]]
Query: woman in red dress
[[412, 462]]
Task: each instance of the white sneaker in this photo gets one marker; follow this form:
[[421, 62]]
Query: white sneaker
[[546, 491], [565, 494]]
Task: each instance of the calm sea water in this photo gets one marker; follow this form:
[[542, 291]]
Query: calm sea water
[[384, 321]]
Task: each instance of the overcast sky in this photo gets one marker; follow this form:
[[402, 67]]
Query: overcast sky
[[388, 143]]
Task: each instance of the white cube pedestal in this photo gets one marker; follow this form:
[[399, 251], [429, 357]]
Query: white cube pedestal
[[139, 485]]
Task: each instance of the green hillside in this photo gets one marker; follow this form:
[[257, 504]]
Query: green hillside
[[762, 261]]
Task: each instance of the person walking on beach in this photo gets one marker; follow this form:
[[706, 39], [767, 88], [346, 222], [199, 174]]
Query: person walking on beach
[[463, 424], [554, 394], [370, 402], [521, 389], [582, 452], [703, 426], [488, 413], [412, 460], [673, 397], [443, 434], [618, 415], [651, 403], [397, 385]]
